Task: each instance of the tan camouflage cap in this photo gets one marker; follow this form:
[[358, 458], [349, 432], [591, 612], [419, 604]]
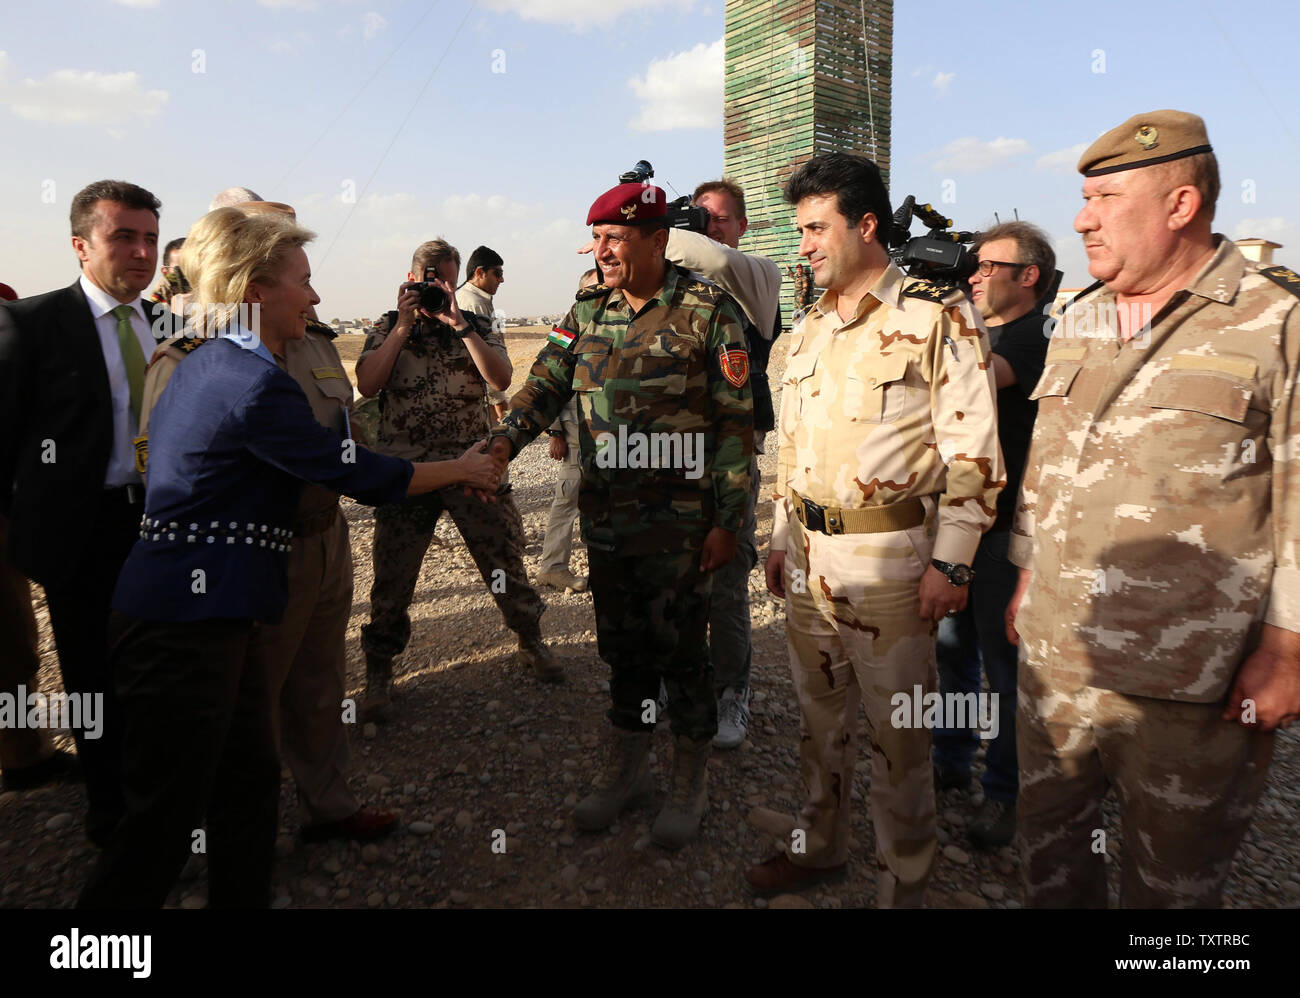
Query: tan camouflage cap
[[1144, 140]]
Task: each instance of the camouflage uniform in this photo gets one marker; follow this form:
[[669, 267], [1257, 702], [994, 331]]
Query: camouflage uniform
[[894, 406], [304, 656], [658, 371], [1159, 513], [432, 410]]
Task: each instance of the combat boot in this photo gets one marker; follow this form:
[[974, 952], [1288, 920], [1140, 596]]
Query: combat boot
[[680, 819], [562, 578], [624, 782], [533, 652], [378, 698]]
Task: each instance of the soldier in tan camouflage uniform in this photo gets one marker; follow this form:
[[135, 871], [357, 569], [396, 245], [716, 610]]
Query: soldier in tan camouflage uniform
[[888, 458], [432, 371], [657, 361], [1158, 608]]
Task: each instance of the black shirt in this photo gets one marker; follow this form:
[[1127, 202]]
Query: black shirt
[[1023, 345]]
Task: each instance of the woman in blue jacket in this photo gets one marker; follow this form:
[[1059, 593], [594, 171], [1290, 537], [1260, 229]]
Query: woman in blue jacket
[[232, 439]]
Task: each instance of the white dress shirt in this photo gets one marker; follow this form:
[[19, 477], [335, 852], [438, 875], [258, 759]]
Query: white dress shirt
[[121, 459]]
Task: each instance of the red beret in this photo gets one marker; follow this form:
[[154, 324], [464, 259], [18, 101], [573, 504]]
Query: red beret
[[629, 204], [8, 293]]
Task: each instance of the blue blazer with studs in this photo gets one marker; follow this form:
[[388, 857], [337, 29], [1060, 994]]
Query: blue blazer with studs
[[231, 441]]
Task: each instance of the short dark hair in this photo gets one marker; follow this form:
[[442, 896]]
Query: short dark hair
[[482, 257], [854, 180], [172, 247], [1032, 246], [117, 191], [726, 186]]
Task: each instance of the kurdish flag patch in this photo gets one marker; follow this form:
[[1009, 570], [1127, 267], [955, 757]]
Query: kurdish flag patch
[[562, 338]]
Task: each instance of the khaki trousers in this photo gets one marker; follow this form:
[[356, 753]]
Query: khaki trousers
[[856, 635]]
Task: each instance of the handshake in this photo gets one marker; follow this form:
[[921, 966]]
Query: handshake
[[482, 466]]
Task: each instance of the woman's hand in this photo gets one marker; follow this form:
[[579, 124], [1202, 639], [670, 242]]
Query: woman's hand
[[478, 470]]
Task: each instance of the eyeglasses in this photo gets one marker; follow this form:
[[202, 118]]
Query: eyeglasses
[[986, 267]]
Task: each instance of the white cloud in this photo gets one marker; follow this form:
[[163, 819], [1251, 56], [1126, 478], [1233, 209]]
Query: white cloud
[[372, 23], [579, 14], [682, 91], [1277, 228], [1063, 160], [969, 154], [77, 96], [941, 81], [471, 207]]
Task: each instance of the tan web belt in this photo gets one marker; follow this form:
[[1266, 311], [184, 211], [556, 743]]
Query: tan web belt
[[871, 520]]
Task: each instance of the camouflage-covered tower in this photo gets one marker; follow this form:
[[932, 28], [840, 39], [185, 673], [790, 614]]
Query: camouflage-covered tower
[[803, 77]]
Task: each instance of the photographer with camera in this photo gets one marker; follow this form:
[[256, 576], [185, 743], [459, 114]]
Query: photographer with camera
[[432, 367]]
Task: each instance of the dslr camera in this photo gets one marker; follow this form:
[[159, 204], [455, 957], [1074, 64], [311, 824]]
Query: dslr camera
[[432, 298]]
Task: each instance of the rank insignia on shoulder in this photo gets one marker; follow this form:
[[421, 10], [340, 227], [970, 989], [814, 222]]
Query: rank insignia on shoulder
[[1284, 277], [735, 365], [188, 344], [562, 338], [316, 326], [927, 290], [142, 452], [595, 291]]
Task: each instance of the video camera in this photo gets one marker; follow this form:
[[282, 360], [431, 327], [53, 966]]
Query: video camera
[[681, 213], [940, 254]]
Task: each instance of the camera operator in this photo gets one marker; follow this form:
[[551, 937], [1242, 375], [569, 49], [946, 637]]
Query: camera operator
[[432, 367], [755, 283]]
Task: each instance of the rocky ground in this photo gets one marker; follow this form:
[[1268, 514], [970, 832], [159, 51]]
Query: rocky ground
[[484, 764]]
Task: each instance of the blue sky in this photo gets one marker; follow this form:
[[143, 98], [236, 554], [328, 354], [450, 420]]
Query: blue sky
[[387, 122]]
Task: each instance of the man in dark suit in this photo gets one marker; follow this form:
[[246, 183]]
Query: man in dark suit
[[71, 374]]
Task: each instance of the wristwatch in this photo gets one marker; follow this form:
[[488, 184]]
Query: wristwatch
[[555, 433], [958, 575]]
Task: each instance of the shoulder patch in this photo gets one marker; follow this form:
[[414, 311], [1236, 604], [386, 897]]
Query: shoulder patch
[[927, 290], [314, 326], [1283, 277], [593, 292], [186, 344]]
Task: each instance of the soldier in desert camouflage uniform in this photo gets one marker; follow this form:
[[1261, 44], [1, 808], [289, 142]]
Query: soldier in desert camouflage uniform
[[1159, 597], [654, 352], [432, 371], [888, 458]]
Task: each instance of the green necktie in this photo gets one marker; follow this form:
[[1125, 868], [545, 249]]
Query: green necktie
[[132, 356]]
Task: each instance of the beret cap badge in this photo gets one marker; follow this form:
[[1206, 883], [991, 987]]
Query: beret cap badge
[[1147, 137]]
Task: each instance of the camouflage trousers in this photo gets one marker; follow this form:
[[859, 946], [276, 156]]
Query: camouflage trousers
[[856, 635], [730, 646], [652, 615], [494, 534], [1187, 783]]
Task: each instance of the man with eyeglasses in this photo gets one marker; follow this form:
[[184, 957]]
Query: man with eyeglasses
[[1015, 270]]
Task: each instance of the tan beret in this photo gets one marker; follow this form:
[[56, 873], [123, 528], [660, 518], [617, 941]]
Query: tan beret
[[1144, 140]]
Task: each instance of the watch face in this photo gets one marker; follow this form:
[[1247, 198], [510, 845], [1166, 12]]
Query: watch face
[[961, 575]]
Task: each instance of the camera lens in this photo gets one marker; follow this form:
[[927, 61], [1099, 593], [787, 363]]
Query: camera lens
[[433, 298]]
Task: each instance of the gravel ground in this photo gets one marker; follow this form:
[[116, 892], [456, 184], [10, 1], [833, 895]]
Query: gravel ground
[[484, 765]]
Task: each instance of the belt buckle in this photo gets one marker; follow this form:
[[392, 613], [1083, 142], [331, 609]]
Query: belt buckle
[[814, 517]]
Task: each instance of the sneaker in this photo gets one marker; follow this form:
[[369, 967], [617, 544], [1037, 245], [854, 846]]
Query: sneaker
[[994, 825], [733, 717]]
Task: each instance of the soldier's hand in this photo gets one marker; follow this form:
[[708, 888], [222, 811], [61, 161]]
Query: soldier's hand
[[480, 470], [719, 548], [559, 449], [1013, 606], [1266, 691], [939, 597], [408, 302], [500, 449], [774, 569], [588, 247]]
